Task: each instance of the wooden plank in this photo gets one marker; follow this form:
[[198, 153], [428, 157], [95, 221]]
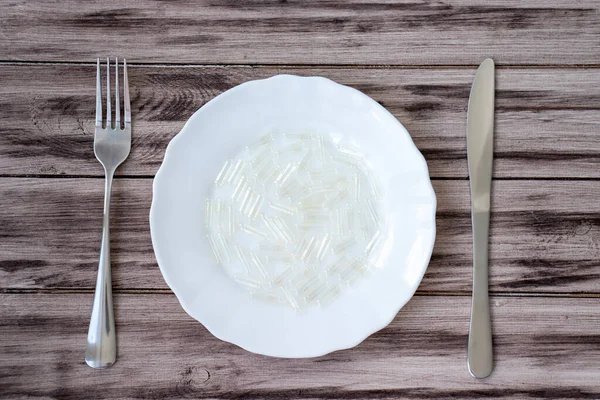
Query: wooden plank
[[544, 348], [547, 119], [544, 235], [308, 32]]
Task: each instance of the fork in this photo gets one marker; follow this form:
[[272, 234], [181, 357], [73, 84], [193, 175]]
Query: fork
[[111, 147]]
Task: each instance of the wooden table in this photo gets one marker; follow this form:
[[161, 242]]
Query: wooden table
[[418, 59]]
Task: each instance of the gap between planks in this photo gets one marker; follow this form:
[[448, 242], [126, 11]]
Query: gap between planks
[[585, 295], [441, 178], [309, 66]]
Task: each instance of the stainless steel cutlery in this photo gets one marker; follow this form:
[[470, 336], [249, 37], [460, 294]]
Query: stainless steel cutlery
[[111, 146], [113, 143], [480, 137]]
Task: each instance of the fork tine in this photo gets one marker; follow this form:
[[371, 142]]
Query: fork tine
[[117, 101], [108, 109], [126, 101], [98, 95]]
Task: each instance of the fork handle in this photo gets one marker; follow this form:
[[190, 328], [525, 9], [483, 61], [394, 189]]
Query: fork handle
[[101, 350]]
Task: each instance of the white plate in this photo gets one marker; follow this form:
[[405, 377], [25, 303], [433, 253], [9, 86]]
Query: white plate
[[217, 132]]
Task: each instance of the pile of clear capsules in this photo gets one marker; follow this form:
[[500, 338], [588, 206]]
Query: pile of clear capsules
[[296, 219]]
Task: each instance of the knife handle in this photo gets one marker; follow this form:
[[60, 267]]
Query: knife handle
[[479, 354]]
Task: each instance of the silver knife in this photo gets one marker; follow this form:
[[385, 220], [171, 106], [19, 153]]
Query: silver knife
[[480, 137]]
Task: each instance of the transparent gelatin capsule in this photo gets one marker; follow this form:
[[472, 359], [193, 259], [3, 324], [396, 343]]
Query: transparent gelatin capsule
[[295, 219]]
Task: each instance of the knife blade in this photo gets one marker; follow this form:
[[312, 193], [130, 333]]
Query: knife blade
[[480, 135]]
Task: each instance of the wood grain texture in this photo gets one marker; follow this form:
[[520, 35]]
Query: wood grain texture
[[405, 32], [545, 236], [547, 120], [544, 348], [415, 57]]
